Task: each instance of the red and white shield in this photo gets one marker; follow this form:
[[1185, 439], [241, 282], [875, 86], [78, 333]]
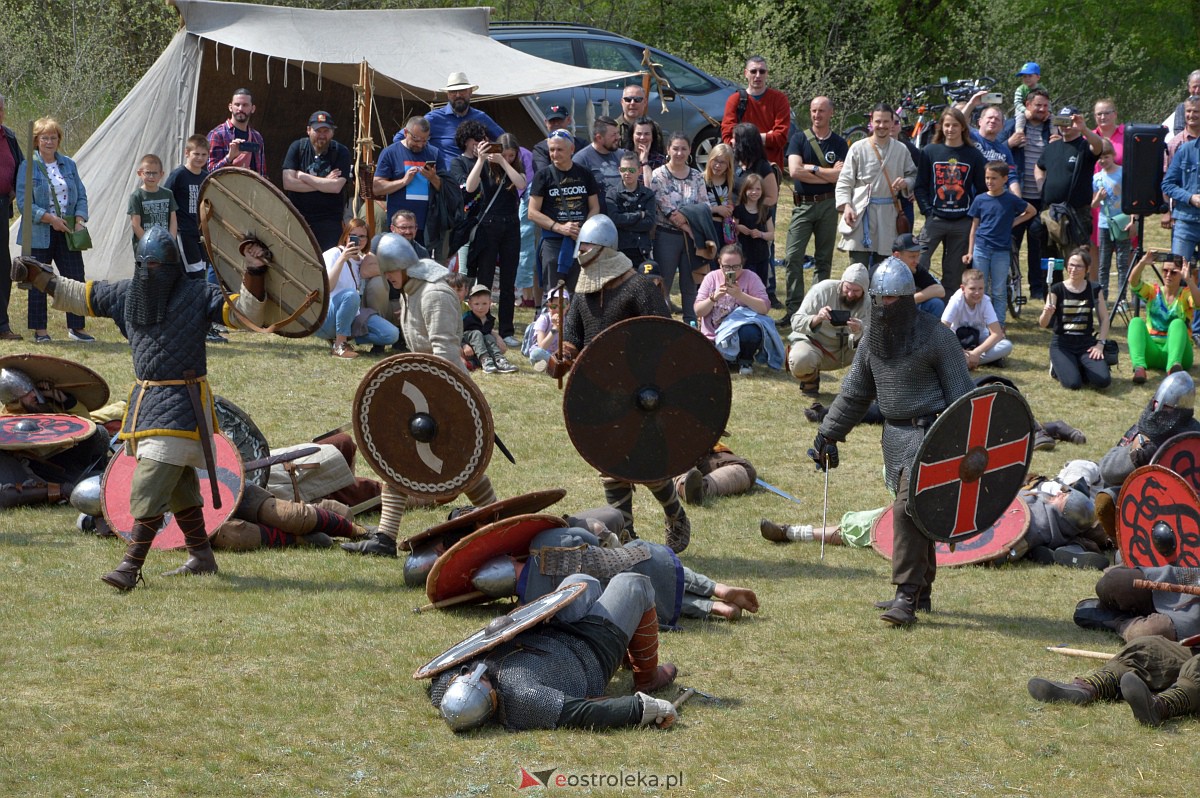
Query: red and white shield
[[971, 464]]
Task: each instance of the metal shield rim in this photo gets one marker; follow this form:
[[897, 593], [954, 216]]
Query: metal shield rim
[[720, 369], [977, 393], [41, 367], [226, 268], [466, 557], [532, 502], [261, 475], [465, 387], [564, 595]]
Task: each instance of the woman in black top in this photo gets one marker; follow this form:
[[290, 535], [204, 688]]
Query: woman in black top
[[1072, 307], [497, 239]]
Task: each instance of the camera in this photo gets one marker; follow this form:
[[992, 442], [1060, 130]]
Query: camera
[[1060, 120], [493, 148], [993, 98], [1164, 257], [839, 318]]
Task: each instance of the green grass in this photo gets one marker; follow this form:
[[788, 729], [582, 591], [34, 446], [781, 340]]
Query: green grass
[[289, 674]]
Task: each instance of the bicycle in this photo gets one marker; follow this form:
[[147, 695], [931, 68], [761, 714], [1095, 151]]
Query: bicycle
[[924, 114], [1016, 293]]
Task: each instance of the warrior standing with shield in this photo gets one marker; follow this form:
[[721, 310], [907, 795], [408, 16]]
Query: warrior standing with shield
[[913, 366], [608, 291], [170, 417]]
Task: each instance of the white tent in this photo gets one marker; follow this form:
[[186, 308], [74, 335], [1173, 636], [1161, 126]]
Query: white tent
[[295, 61]]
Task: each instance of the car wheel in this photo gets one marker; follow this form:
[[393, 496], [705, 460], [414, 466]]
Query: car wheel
[[702, 147]]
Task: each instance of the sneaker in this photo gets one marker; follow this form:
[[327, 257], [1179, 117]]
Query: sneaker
[[81, 336], [378, 545], [220, 328], [378, 349], [1139, 375], [511, 342], [776, 304], [42, 339], [489, 365], [503, 366], [9, 335], [540, 365], [214, 337], [744, 368], [343, 351]]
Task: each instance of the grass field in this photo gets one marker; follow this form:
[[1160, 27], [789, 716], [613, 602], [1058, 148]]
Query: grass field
[[289, 673]]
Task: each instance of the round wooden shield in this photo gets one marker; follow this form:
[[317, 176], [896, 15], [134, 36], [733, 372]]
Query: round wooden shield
[[971, 464], [423, 425], [118, 477], [75, 378], [451, 574], [456, 529], [1151, 494], [236, 424], [647, 399], [43, 432], [506, 627], [993, 542], [1181, 454], [236, 201]]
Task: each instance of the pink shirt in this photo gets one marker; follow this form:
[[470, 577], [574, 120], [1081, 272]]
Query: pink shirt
[[747, 281]]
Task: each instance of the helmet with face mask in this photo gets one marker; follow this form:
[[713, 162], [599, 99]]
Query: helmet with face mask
[[891, 331], [468, 702], [152, 286], [598, 230], [1171, 409]]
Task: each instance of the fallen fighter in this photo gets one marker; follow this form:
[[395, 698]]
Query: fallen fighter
[[545, 677]]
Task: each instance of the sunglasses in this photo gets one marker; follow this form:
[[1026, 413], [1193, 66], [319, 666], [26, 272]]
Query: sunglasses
[[757, 71], [1172, 271], [633, 99], [628, 170]]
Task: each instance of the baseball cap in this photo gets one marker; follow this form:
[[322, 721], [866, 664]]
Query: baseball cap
[[905, 243], [1068, 110], [479, 288], [1030, 68], [556, 112], [321, 119]]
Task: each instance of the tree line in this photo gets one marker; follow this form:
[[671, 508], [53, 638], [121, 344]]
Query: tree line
[[76, 59]]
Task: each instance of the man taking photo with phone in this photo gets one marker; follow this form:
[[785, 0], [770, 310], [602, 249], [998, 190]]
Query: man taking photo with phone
[[234, 142], [407, 173]]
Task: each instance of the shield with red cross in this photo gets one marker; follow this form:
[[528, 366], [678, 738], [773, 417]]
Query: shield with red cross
[[971, 464]]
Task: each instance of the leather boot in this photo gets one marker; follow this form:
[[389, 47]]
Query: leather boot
[[619, 496], [773, 531], [129, 572], [648, 675], [1077, 692], [924, 601], [1151, 709], [200, 554], [1091, 614], [691, 487], [904, 607]]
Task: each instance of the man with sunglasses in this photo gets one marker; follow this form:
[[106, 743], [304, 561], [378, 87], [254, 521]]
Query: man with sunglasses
[[766, 108], [633, 108]]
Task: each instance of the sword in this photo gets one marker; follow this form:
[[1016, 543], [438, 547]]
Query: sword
[[206, 444], [687, 694], [27, 214], [825, 510], [345, 427], [777, 491], [500, 445], [275, 459]]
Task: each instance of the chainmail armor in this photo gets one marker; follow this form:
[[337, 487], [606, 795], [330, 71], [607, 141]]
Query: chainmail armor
[[1166, 422], [601, 563], [150, 293], [591, 314], [921, 383], [534, 674], [892, 331]]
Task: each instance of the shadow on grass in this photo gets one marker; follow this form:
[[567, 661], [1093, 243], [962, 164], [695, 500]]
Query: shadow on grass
[[723, 569], [35, 539], [265, 583], [1013, 625]]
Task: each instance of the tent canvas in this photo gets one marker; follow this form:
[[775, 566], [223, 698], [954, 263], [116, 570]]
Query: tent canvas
[[296, 61]]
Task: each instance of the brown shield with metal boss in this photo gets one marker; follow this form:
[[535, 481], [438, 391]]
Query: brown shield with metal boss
[[118, 478], [1181, 454], [236, 203], [423, 425], [646, 399], [454, 530], [1158, 519], [971, 464], [502, 629], [993, 542], [236, 424], [43, 433], [66, 375], [451, 574]]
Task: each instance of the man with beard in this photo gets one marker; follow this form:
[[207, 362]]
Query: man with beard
[[431, 316], [169, 419], [1168, 413], [607, 291], [234, 143], [821, 341], [545, 677], [407, 174], [444, 122], [913, 366], [315, 172]]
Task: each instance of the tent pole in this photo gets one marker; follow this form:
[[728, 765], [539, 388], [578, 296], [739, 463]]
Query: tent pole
[[365, 150]]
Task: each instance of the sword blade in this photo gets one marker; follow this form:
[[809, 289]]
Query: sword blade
[[825, 510], [344, 428], [275, 459], [500, 445], [777, 491]]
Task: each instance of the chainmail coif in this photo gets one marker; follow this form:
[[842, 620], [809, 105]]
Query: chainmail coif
[[149, 292]]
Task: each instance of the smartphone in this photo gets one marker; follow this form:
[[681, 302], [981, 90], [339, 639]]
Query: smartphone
[[839, 318], [1059, 120], [354, 241], [248, 146], [1164, 257], [494, 147], [993, 98], [430, 164]]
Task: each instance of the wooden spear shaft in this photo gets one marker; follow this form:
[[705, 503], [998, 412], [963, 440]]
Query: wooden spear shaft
[[1167, 587]]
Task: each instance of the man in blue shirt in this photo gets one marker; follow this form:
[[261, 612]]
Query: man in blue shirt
[[407, 173], [444, 122]]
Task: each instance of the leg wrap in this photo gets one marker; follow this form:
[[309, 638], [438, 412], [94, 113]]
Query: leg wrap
[[1106, 684], [393, 503], [728, 480], [679, 528], [619, 496], [643, 656], [481, 493]]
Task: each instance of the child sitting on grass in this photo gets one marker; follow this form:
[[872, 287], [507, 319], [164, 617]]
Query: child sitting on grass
[[481, 344], [974, 322], [541, 338]]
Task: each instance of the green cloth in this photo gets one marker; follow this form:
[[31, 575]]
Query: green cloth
[[855, 527]]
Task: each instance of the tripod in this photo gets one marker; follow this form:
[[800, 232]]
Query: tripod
[[1134, 257]]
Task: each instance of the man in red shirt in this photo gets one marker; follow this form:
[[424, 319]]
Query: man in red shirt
[[767, 108]]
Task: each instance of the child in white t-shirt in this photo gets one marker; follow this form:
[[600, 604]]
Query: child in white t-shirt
[[975, 322]]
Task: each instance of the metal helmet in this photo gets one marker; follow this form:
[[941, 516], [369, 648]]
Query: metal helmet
[[467, 703], [14, 384], [496, 578], [418, 565], [599, 230], [1177, 390], [85, 497], [157, 246], [893, 278], [1079, 509], [395, 253]]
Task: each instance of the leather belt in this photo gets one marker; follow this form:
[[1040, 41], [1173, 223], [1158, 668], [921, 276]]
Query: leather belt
[[810, 199], [920, 421]]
